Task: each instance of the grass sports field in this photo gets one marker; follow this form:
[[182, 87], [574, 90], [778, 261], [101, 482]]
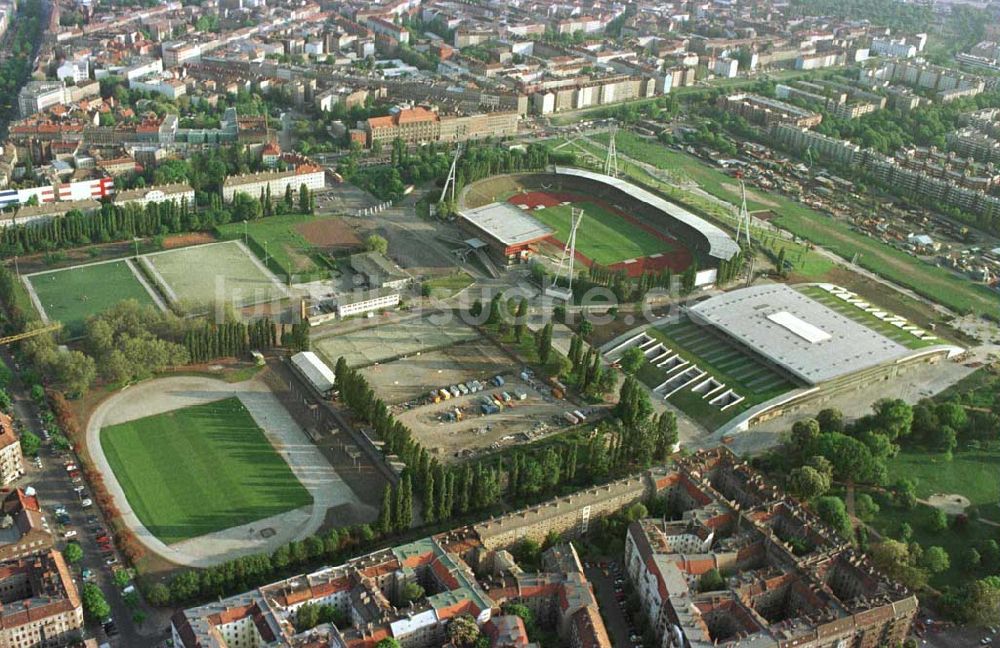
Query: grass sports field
[[194, 277], [755, 381], [200, 469], [604, 237], [293, 243], [938, 284], [72, 295]]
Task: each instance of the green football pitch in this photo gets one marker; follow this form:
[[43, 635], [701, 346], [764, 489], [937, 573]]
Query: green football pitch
[[200, 469], [72, 295], [604, 237]]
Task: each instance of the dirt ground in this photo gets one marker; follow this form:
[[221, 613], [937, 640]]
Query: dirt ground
[[536, 416], [331, 234], [184, 240], [406, 383], [411, 378]]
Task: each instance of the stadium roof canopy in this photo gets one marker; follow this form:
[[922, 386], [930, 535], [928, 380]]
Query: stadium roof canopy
[[806, 338], [720, 244], [506, 223]]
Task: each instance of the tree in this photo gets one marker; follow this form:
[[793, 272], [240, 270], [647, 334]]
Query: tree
[[632, 360], [806, 482], [388, 642], [937, 521], [463, 631], [711, 581], [971, 559], [520, 318], [386, 519], [376, 243], [894, 416], [830, 420], [831, 510], [411, 592], [935, 560], [73, 553], [158, 595], [94, 603], [545, 343], [304, 200], [30, 443], [982, 601], [851, 459], [805, 432], [865, 507]]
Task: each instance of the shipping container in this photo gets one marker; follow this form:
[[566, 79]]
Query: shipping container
[[445, 394], [579, 415], [570, 418], [462, 388]]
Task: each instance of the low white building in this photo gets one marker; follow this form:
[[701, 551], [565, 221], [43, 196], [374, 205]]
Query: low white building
[[315, 371], [76, 70], [160, 83], [358, 303], [175, 193]]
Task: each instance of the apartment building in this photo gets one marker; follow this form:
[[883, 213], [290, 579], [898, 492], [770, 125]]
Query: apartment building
[[252, 184], [789, 576], [419, 125], [11, 465], [23, 529], [40, 603], [768, 112], [36, 96]]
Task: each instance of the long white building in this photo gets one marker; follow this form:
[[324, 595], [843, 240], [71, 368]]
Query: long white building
[[253, 183]]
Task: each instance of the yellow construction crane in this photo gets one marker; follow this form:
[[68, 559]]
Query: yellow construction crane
[[29, 334]]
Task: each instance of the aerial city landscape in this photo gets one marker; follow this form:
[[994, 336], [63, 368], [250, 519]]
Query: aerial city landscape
[[426, 323]]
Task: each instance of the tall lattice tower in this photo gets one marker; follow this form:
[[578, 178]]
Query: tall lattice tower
[[566, 260], [449, 182], [611, 161]]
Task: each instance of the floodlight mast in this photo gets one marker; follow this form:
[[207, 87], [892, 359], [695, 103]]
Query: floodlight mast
[[566, 260]]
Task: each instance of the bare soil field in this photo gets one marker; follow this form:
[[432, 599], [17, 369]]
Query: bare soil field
[[413, 377], [184, 240], [332, 234]]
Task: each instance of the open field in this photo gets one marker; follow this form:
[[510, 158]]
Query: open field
[[938, 284], [406, 383], [974, 474], [195, 278], [851, 311], [72, 295], [413, 377], [748, 377], [394, 339], [294, 244], [200, 469], [604, 237]]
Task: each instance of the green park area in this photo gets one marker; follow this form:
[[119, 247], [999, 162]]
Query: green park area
[[935, 283], [603, 236], [200, 469], [72, 295]]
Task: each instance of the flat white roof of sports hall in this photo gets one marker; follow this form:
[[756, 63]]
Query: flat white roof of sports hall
[[806, 338]]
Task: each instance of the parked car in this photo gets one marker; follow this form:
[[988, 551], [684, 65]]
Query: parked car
[[87, 503], [69, 534]]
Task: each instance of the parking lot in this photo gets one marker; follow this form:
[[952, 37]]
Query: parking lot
[[62, 495]]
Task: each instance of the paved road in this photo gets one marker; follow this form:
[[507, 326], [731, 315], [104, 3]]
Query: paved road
[[54, 488]]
